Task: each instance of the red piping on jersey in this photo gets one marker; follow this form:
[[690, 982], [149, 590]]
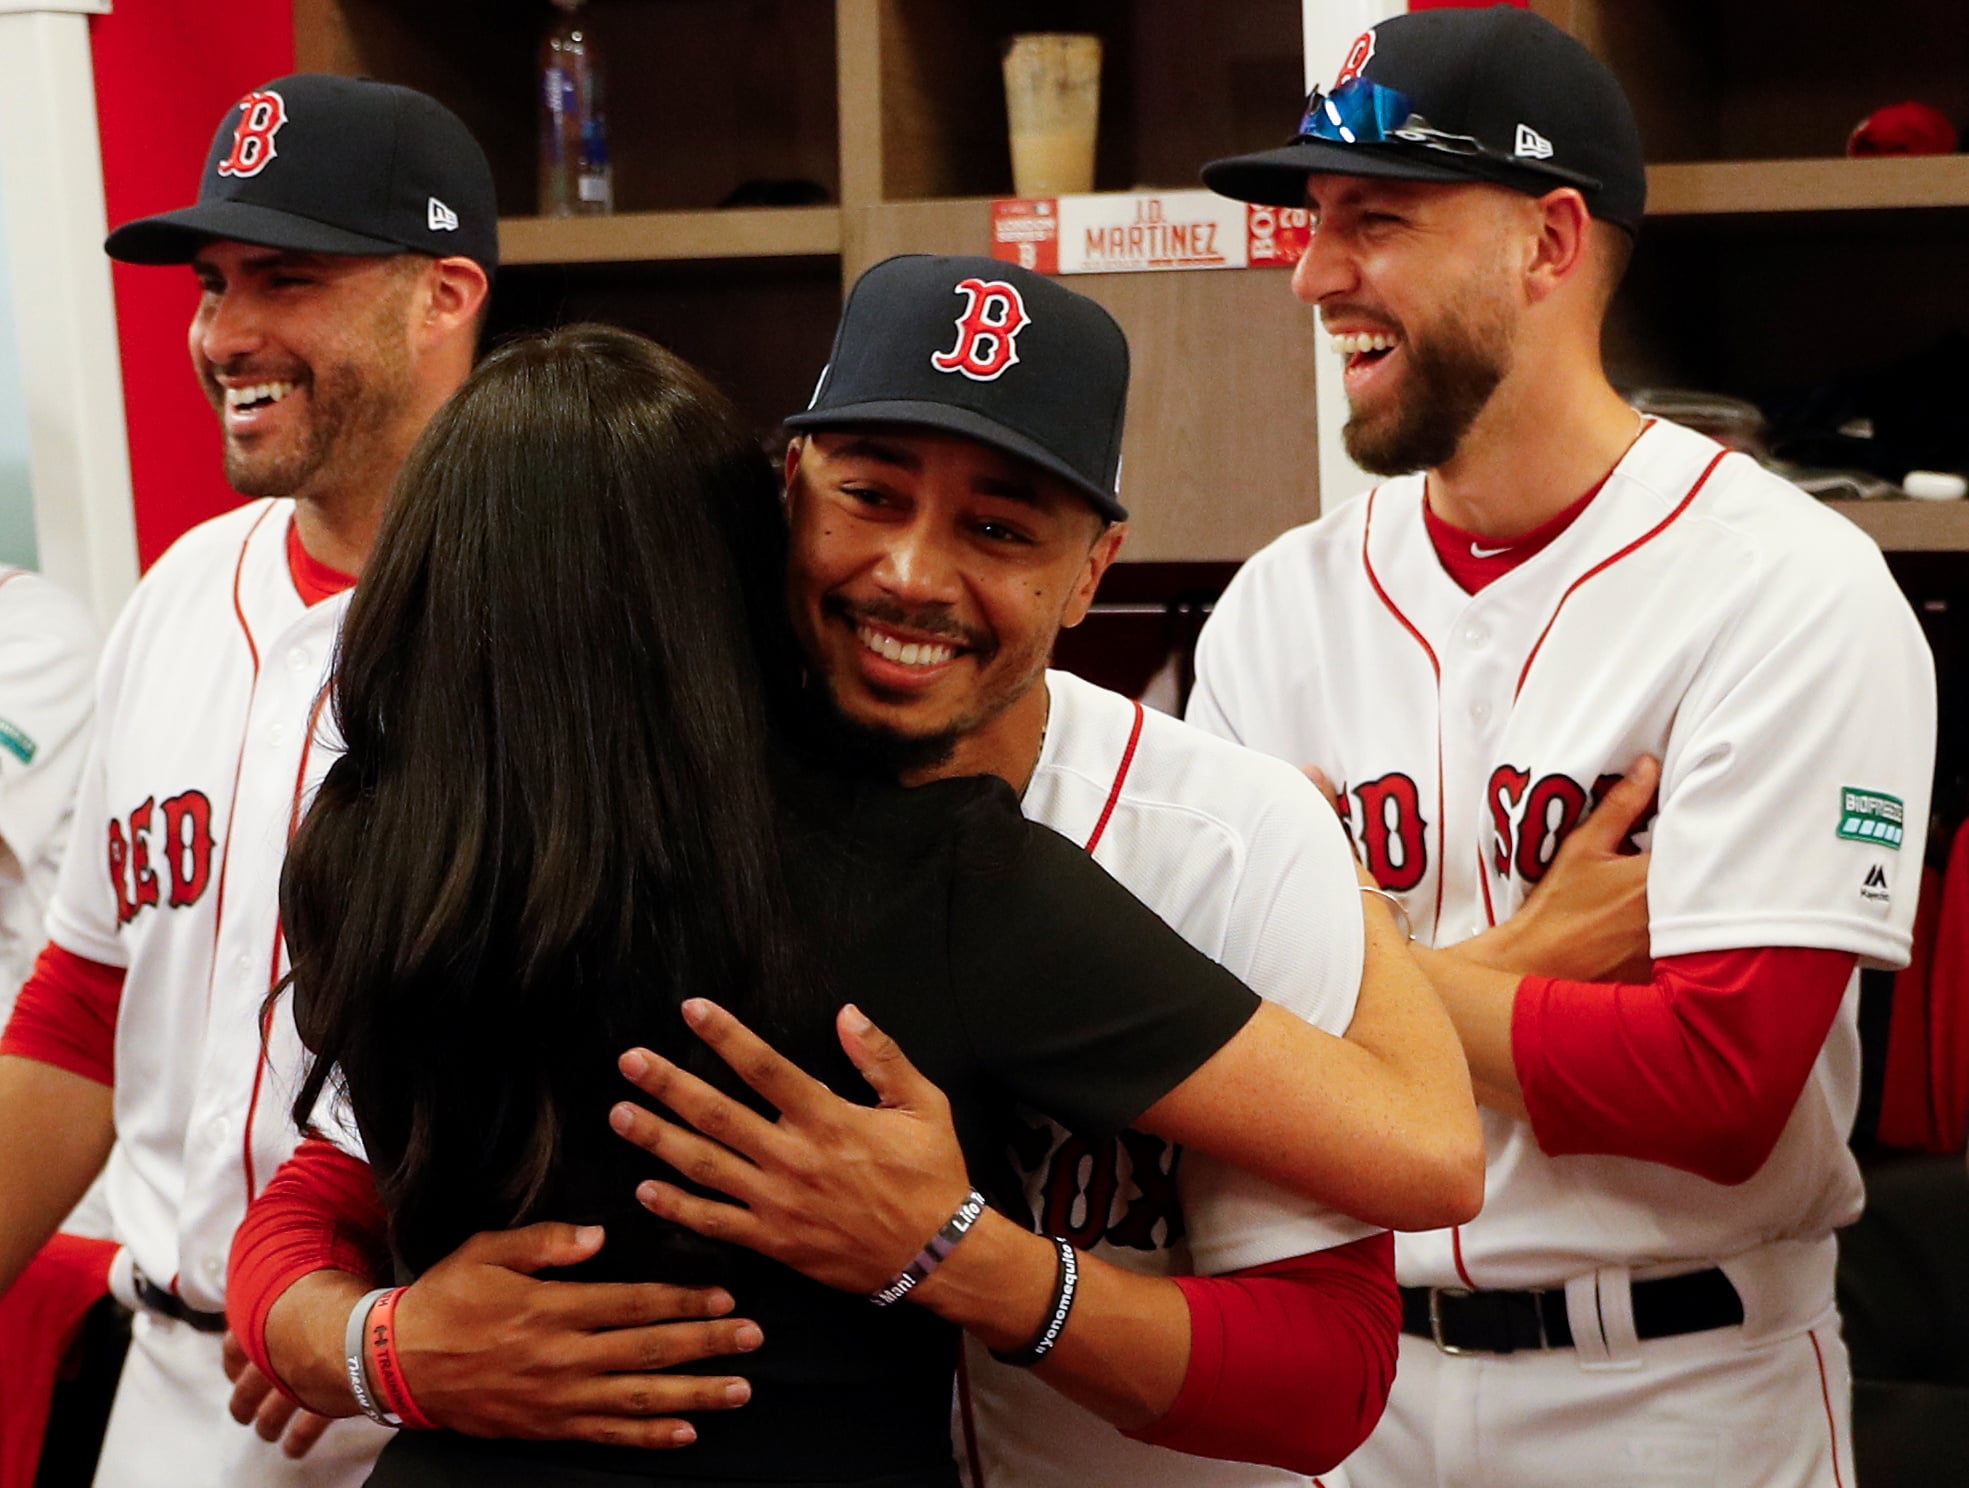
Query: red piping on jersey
[[1606, 563], [279, 945], [966, 1420], [1825, 1394], [1120, 779], [232, 803], [1442, 790], [1436, 666]]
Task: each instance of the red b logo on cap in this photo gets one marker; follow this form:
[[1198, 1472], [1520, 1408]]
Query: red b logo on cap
[[1358, 56], [260, 118], [987, 331]]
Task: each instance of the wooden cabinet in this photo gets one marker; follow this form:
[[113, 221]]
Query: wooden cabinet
[[1768, 259], [895, 110], [1769, 262]]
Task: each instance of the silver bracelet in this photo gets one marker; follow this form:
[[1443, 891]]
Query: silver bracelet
[[1401, 910], [352, 1347], [931, 1256]]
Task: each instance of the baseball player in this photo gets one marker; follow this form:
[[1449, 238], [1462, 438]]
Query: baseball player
[[940, 495], [1470, 653], [48, 648], [342, 241]]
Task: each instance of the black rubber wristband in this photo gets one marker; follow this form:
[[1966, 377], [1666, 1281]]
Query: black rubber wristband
[[1056, 1316]]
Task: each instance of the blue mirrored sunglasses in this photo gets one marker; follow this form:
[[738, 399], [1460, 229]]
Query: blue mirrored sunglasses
[[1362, 112]]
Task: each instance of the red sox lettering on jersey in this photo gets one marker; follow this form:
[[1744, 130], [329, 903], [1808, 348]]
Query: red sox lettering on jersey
[[179, 832], [1529, 822], [260, 118], [1121, 1192], [987, 331]]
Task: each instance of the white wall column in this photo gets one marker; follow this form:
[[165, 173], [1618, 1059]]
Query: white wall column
[[51, 166], [1331, 27]]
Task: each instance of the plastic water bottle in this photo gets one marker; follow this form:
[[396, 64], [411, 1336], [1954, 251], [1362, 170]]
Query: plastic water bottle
[[575, 175]]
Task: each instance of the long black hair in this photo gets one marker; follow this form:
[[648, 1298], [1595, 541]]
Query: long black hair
[[558, 683]]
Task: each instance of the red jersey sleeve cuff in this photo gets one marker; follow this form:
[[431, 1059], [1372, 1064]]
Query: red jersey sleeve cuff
[[1290, 1363], [66, 1015], [319, 1212], [1698, 1069]]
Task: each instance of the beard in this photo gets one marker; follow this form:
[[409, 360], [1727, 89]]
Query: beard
[[352, 402], [867, 749], [1452, 374]]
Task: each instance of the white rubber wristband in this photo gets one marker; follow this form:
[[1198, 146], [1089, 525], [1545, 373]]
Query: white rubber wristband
[[352, 1350]]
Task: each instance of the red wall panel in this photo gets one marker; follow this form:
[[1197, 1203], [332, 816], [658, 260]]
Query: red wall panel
[[166, 72]]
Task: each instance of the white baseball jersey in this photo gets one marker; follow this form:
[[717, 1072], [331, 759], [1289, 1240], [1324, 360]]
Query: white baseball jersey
[[205, 748], [1700, 610], [48, 648], [1241, 857]]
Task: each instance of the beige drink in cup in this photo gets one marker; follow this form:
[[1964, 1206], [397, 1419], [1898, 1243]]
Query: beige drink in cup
[[1052, 101]]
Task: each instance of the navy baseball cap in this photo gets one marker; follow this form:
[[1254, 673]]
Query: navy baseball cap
[[987, 350], [324, 164], [1498, 95]]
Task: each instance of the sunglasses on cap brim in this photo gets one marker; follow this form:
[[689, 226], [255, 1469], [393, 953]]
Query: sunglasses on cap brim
[[1363, 112]]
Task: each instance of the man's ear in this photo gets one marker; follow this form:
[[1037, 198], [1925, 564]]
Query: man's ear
[[454, 293], [1099, 558], [1565, 227], [795, 448]]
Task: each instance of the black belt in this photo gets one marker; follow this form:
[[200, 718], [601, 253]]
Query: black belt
[[1466, 1322], [171, 1305]]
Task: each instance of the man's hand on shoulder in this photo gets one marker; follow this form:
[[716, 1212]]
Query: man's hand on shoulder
[[489, 1350], [1587, 919], [844, 1194]]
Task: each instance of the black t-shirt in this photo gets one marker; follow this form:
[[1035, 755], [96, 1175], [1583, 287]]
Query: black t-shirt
[[1013, 971]]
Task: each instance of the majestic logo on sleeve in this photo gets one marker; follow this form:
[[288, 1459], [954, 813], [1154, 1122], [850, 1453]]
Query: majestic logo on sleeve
[[176, 836], [1872, 816], [260, 118], [987, 331], [1530, 820]]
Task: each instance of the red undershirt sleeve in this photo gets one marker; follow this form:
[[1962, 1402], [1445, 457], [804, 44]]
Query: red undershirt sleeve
[[1290, 1363], [66, 1015], [319, 1212], [1698, 1069]]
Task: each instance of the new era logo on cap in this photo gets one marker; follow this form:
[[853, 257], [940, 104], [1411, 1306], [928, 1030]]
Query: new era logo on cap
[[441, 218], [1532, 145]]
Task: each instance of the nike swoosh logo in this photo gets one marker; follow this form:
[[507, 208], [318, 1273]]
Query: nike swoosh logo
[[1477, 552]]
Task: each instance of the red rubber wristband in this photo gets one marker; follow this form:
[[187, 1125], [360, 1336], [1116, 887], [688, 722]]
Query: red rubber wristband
[[386, 1370]]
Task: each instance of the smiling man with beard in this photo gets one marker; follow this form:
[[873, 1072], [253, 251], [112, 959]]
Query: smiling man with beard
[[1551, 586], [343, 242]]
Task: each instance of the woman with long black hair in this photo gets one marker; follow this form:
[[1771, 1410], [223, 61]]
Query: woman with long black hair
[[582, 785]]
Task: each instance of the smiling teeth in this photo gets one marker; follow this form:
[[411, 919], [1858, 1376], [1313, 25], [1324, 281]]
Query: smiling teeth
[[261, 392], [910, 653], [1365, 341]]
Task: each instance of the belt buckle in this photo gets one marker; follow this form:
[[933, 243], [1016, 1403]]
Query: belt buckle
[[1436, 1294]]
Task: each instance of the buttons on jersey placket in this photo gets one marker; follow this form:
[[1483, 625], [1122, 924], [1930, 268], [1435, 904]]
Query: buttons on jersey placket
[[288, 682], [1476, 692]]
